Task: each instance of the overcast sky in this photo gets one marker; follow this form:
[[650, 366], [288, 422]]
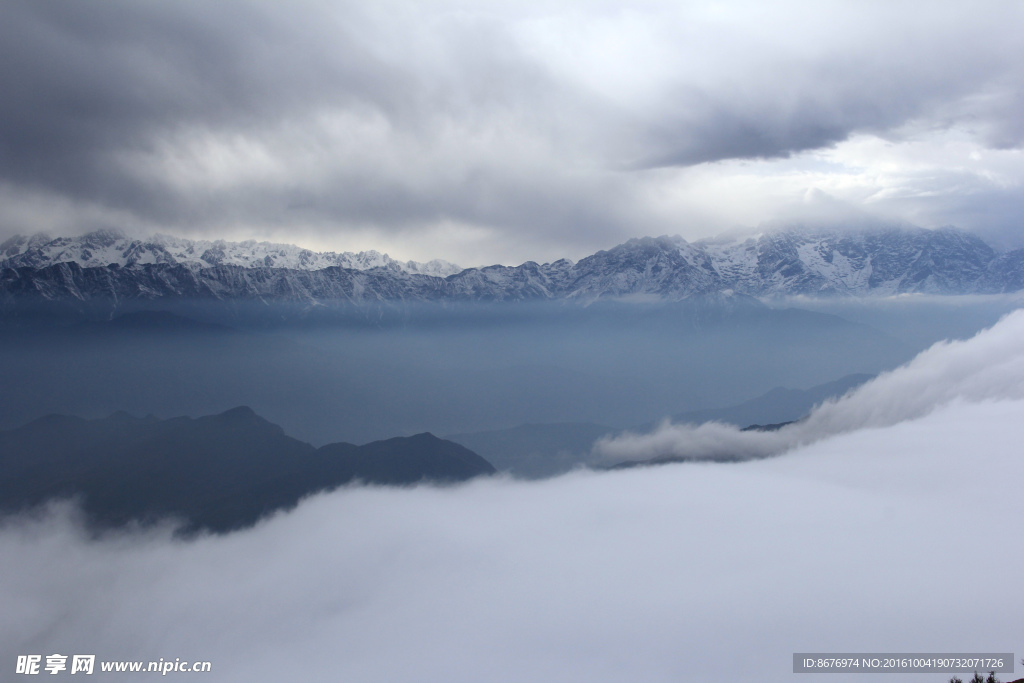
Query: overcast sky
[[486, 132]]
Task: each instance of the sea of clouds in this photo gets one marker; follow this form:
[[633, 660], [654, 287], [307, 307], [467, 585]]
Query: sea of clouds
[[890, 522], [987, 367]]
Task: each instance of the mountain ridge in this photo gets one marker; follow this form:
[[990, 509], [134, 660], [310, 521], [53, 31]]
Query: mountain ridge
[[874, 262], [102, 248], [217, 472]]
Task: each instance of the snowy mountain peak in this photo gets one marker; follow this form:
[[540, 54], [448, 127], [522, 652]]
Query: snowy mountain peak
[[105, 247], [871, 262]]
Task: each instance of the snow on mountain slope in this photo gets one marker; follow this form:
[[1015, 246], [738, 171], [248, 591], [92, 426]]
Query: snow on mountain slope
[[877, 261], [890, 261], [104, 247]]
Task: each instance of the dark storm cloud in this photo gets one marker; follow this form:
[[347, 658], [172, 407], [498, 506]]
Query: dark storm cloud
[[98, 95], [533, 122], [86, 81]]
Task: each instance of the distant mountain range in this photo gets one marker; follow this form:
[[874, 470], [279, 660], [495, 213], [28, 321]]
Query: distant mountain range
[[107, 267], [535, 451], [776, 406], [106, 247], [220, 472]]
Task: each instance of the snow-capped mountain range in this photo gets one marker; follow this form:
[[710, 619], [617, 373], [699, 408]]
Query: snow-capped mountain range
[[108, 266], [104, 247]]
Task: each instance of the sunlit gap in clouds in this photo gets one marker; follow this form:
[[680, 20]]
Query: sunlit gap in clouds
[[899, 525]]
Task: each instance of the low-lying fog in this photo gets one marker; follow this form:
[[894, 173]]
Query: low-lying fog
[[445, 371], [898, 534]]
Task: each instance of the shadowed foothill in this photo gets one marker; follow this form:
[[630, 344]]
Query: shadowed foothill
[[219, 472]]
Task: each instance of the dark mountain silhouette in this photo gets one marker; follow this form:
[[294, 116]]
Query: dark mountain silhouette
[[220, 472]]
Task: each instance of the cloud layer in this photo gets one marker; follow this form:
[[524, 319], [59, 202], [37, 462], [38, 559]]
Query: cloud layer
[[901, 535], [988, 367], [902, 538], [500, 131]]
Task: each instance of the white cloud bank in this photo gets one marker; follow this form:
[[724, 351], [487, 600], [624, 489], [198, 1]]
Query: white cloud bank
[[904, 536], [988, 367]]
